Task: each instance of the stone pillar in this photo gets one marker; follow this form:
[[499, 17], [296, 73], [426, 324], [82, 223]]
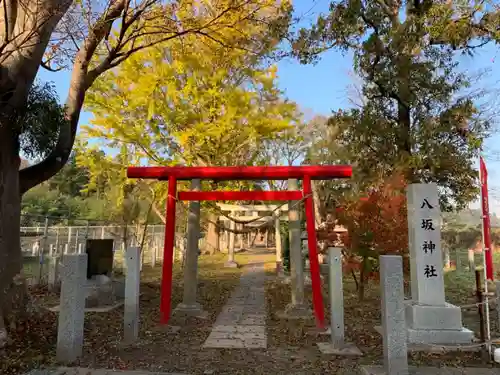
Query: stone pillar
[[241, 237], [189, 305], [470, 258], [266, 239], [337, 344], [278, 242], [230, 258], [72, 308], [132, 287], [393, 315], [430, 319], [154, 254], [52, 278], [297, 308]]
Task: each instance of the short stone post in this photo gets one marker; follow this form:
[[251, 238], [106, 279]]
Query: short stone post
[[458, 260], [72, 308], [189, 305], [132, 286], [277, 235], [394, 336], [447, 260], [53, 271], [337, 346], [470, 258], [230, 259], [154, 254], [66, 248]]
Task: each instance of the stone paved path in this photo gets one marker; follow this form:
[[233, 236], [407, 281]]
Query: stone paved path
[[241, 324]]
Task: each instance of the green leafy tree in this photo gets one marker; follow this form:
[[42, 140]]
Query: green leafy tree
[[417, 114], [56, 34]]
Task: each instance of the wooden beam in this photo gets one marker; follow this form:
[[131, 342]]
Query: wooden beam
[[259, 173], [240, 195]]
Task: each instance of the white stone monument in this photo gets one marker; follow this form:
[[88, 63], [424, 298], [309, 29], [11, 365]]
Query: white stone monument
[[429, 317]]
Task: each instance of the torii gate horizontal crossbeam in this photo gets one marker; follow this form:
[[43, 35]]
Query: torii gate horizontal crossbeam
[[315, 172]]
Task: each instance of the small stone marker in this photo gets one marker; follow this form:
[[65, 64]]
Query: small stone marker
[[153, 256], [132, 287], [53, 272], [337, 346], [393, 315], [430, 318], [230, 259], [72, 308]]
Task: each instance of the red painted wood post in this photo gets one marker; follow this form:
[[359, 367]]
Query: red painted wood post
[[319, 309], [168, 253]]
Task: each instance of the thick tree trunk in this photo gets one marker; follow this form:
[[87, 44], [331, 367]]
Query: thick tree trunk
[[11, 282]]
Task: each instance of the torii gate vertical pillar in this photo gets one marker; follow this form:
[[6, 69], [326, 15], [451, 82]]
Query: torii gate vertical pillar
[[240, 173], [168, 252]]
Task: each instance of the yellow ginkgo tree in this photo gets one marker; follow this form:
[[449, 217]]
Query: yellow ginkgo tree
[[192, 103]]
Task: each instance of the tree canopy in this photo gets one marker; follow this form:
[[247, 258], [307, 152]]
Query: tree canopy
[[418, 111]]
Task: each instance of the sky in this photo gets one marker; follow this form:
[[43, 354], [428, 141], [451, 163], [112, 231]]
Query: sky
[[327, 86]]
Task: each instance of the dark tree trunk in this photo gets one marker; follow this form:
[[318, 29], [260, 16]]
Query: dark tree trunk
[[11, 280]]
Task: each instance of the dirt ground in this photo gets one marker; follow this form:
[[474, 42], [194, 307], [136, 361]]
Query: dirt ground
[[177, 348]]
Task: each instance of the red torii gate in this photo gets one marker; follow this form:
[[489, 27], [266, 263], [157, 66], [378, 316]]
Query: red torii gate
[[305, 173]]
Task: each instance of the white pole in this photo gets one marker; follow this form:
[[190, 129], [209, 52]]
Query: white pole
[[486, 300]]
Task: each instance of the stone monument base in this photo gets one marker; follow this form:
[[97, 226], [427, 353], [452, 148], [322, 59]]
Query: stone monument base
[[194, 310], [231, 264], [436, 324], [295, 312]]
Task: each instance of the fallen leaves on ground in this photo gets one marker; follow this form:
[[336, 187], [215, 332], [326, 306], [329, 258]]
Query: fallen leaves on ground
[[177, 348]]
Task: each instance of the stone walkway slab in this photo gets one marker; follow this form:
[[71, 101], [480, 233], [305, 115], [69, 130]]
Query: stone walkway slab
[[242, 321]]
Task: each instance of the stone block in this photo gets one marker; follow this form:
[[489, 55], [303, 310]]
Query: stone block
[[231, 264], [444, 337], [447, 317], [346, 350], [224, 343]]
